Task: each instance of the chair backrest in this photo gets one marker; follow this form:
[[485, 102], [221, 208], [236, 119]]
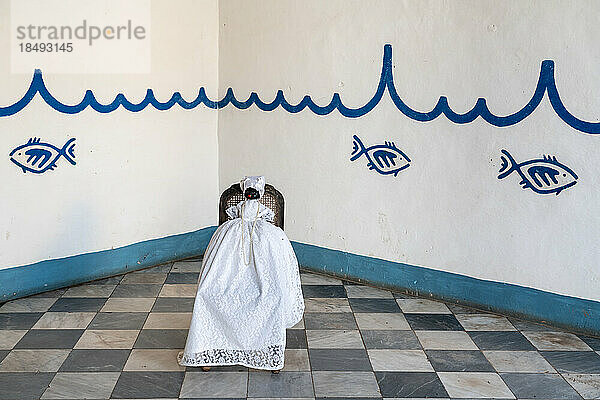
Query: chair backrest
[[272, 198]]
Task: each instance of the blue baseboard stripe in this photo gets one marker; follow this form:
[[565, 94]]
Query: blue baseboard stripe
[[563, 311], [533, 304], [47, 275]]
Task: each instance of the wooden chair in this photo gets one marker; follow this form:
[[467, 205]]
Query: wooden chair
[[272, 198]]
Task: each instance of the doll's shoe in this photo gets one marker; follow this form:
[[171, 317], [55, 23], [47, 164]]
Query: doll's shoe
[[205, 369], [275, 371]]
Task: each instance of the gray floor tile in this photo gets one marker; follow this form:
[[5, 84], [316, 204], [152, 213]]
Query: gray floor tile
[[459, 361], [88, 290], [136, 290], [118, 320], [3, 353], [145, 278], [284, 384], [576, 362], [485, 322], [81, 385], [475, 385], [329, 321], [14, 321], [410, 384], [501, 341], [587, 385], [345, 384], [445, 340], [402, 340], [519, 361], [422, 306], [148, 384], [9, 338], [314, 279], [324, 305], [38, 360], [458, 309], [400, 360], [187, 266], [173, 304], [24, 385], [182, 277], [530, 386], [339, 360], [157, 269], [95, 360], [161, 339], [215, 384], [80, 304], [556, 341], [49, 339], [334, 339], [381, 321], [28, 304], [366, 305]]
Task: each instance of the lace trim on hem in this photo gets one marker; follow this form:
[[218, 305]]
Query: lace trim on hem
[[269, 358]]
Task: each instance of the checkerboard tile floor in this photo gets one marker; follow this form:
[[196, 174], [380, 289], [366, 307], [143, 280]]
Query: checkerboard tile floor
[[117, 338]]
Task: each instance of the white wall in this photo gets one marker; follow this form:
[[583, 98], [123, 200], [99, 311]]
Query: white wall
[[139, 175], [447, 210]]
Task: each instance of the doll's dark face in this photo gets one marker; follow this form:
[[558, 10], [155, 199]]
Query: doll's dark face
[[251, 194]]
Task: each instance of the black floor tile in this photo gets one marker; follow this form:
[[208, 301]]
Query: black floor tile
[[405, 340], [161, 339], [433, 322], [173, 304], [365, 305], [118, 320], [329, 321], [182, 277], [295, 339], [147, 384], [18, 320], [523, 325], [459, 361], [24, 385], [502, 340], [96, 360], [542, 386], [593, 342], [51, 293], [78, 304], [136, 290], [49, 339], [3, 353], [323, 291], [113, 280], [576, 362], [410, 384], [339, 360]]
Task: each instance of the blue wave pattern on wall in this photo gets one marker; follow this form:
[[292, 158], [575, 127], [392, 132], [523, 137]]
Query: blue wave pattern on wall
[[546, 83]]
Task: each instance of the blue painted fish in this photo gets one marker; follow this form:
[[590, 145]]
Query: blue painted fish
[[384, 159], [543, 175], [39, 157]]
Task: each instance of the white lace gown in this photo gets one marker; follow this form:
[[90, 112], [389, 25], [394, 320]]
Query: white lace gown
[[241, 311]]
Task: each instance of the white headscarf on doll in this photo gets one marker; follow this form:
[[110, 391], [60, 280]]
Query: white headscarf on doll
[[256, 182]]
